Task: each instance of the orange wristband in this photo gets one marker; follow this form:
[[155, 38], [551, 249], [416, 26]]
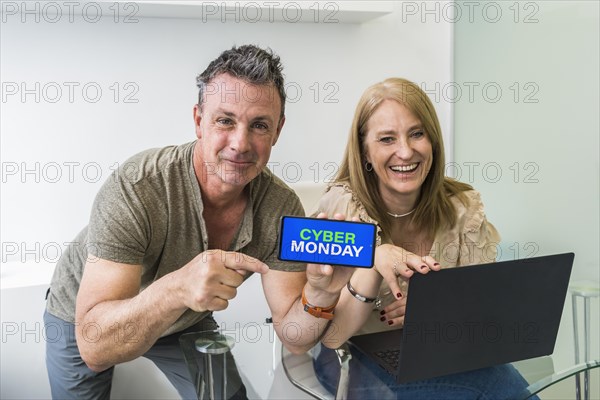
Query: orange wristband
[[319, 312]]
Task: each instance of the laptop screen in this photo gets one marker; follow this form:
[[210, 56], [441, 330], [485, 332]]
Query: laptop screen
[[465, 318]]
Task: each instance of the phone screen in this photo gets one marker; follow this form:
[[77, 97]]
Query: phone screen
[[326, 241]]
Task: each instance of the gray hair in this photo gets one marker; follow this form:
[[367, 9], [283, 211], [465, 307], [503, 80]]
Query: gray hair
[[250, 63]]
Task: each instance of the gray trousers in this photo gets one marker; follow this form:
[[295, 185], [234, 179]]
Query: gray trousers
[[70, 378]]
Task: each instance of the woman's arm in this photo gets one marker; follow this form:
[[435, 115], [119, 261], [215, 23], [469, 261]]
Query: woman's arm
[[391, 263]]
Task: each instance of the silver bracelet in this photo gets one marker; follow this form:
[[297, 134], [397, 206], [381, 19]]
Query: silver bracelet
[[359, 297]]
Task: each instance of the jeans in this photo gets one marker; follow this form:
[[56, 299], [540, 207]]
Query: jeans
[[70, 377], [369, 381]]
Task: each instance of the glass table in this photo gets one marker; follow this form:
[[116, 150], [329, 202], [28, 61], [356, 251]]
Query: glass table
[[544, 374], [539, 373], [210, 361], [545, 382], [263, 366]]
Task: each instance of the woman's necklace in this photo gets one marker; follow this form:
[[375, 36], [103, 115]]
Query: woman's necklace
[[401, 215]]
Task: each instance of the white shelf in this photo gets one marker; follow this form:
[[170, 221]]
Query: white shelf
[[265, 11], [24, 274]]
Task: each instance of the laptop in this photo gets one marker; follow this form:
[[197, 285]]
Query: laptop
[[466, 318]]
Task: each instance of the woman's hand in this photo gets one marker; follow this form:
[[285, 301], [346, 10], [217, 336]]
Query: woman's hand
[[393, 314], [393, 262], [326, 277]]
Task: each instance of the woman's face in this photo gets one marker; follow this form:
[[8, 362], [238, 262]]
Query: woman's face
[[400, 151]]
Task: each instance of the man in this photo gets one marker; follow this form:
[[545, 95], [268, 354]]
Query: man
[[173, 233]]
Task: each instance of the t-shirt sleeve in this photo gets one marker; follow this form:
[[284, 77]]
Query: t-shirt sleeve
[[479, 237], [119, 225], [293, 207]]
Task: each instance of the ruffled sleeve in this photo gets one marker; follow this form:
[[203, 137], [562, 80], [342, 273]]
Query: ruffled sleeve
[[337, 200], [340, 199], [479, 238]]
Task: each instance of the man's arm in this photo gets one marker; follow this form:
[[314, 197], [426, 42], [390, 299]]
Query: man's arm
[[298, 330], [115, 322]]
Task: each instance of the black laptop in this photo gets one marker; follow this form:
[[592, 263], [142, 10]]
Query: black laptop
[[465, 318]]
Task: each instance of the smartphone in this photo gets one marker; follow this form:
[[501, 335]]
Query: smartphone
[[327, 241]]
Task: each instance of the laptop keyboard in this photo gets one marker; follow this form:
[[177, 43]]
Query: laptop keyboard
[[389, 357]]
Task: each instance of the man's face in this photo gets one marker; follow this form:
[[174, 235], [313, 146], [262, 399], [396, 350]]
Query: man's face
[[237, 125]]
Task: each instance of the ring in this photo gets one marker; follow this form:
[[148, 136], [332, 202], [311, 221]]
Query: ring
[[378, 303], [394, 267]]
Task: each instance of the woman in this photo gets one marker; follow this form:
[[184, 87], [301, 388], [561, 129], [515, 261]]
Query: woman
[[392, 175]]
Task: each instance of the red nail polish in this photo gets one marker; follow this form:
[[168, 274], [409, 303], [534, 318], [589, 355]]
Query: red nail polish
[[382, 319], [381, 312], [399, 295], [436, 264], [390, 322], [423, 266]]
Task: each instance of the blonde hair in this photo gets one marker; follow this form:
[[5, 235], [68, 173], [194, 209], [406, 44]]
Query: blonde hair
[[434, 209]]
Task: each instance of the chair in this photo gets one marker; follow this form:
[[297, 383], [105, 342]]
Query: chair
[[300, 371], [585, 290]]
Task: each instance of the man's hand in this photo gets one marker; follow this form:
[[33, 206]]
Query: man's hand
[[211, 279]]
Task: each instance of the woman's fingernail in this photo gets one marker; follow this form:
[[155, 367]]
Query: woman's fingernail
[[382, 319], [398, 295], [436, 264], [382, 312], [390, 322], [423, 266]]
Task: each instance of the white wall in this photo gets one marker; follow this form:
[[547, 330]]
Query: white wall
[[545, 142], [159, 59], [70, 146]]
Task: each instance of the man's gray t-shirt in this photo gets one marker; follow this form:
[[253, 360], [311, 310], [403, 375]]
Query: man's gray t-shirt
[[149, 213]]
